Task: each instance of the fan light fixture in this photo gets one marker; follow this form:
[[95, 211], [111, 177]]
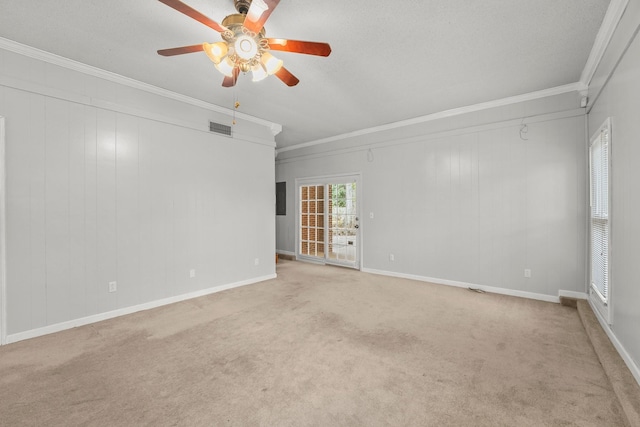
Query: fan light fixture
[[226, 67], [259, 73], [215, 51], [244, 47]]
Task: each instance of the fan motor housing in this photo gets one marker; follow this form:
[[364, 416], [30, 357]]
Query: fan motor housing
[[235, 21]]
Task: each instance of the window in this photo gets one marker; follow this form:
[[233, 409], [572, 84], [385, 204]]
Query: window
[[599, 161]]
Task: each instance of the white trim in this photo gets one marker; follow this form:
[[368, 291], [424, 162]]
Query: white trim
[[572, 87], [572, 294], [124, 109], [311, 260], [129, 310], [457, 284], [593, 96], [3, 238], [70, 64], [502, 124], [330, 179], [628, 360], [281, 252], [603, 38]]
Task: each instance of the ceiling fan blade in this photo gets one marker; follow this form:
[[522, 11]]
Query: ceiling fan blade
[[297, 46], [286, 77], [181, 50], [231, 81], [258, 13], [192, 13]]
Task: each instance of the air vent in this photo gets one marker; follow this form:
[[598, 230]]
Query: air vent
[[220, 128]]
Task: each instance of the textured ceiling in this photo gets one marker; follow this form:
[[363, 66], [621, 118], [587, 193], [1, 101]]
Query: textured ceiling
[[391, 60]]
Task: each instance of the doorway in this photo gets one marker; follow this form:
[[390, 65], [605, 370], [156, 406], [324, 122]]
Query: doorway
[[328, 220]]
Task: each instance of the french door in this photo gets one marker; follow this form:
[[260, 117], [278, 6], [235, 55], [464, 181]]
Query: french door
[[329, 221]]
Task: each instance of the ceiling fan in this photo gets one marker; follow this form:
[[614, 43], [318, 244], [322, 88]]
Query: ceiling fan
[[245, 47]]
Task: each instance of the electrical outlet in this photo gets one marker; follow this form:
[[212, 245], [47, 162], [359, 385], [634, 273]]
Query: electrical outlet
[[256, 261], [192, 273], [113, 286], [392, 257], [527, 273]]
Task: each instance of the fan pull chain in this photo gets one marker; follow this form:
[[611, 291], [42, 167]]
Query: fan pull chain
[[236, 103]]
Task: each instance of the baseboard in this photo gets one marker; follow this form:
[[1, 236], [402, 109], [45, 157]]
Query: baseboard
[[33, 333], [635, 370], [502, 291], [572, 294], [571, 298], [286, 253]]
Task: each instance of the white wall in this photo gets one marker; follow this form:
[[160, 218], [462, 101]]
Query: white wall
[[615, 93], [473, 204], [106, 182]]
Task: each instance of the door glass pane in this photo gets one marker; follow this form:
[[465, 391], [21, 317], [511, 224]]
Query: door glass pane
[[312, 224], [342, 222]]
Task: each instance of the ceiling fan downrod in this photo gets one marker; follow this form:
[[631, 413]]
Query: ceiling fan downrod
[[242, 6]]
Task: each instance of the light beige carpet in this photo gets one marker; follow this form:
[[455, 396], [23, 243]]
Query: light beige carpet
[[319, 346]]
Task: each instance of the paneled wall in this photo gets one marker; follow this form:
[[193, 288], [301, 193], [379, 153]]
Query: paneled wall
[[474, 205], [616, 94], [99, 193]]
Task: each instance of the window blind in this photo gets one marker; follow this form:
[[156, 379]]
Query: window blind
[[599, 165]]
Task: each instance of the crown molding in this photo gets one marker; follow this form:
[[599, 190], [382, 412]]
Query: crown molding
[[573, 87], [603, 38], [431, 136], [70, 64]]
